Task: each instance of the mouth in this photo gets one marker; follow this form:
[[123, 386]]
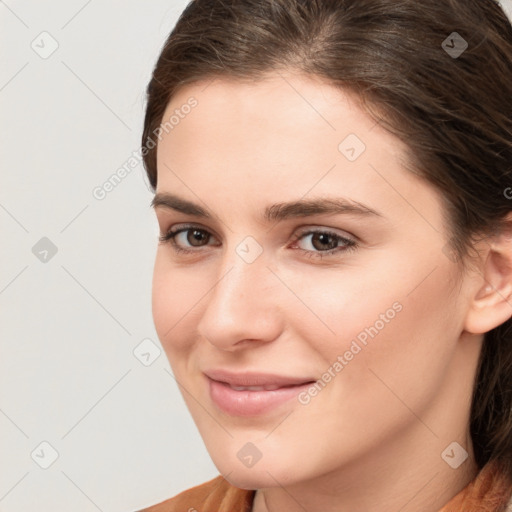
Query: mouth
[[253, 394]]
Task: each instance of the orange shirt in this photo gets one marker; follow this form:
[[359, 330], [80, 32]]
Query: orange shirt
[[490, 491]]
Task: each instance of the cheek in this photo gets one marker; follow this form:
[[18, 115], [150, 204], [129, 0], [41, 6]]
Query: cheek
[[176, 298], [392, 335], [391, 314]]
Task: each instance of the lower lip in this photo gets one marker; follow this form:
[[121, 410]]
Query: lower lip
[[251, 403]]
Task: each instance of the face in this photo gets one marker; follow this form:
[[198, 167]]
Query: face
[[302, 336]]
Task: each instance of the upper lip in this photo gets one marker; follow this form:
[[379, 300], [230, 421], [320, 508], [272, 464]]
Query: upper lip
[[251, 378]]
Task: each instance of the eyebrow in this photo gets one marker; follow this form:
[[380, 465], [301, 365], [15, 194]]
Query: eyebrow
[[274, 212]]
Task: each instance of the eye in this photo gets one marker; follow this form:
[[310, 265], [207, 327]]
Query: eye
[[194, 236], [323, 242]]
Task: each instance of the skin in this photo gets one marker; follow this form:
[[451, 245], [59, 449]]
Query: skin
[[372, 438]]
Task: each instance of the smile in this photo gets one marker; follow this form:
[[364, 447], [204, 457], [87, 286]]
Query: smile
[[252, 394]]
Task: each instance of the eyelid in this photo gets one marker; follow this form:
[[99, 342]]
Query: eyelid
[[177, 229], [351, 242], [182, 226], [308, 229], [324, 229]]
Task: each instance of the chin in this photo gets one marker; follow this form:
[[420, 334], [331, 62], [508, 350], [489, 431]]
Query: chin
[[262, 475], [250, 479]]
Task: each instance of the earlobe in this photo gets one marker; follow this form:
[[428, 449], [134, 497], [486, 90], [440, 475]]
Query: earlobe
[[491, 305]]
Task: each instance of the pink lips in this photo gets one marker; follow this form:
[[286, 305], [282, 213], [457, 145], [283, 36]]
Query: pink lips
[[250, 393]]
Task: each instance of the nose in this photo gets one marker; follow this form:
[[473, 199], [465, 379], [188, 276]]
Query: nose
[[243, 306]]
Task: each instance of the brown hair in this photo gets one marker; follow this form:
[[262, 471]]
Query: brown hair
[[454, 113]]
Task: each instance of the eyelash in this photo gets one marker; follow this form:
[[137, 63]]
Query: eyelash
[[350, 245]]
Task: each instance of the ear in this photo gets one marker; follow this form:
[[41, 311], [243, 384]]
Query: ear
[[491, 303]]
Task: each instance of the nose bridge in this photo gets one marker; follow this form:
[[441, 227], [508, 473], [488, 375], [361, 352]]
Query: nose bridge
[[240, 306], [243, 273]]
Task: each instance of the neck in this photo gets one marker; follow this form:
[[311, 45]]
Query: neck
[[402, 470], [417, 480]]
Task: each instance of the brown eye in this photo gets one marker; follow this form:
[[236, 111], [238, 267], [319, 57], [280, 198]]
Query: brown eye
[[196, 236], [185, 239], [323, 241]]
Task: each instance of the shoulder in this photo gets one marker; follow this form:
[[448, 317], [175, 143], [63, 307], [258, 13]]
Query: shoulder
[[491, 490], [216, 495]]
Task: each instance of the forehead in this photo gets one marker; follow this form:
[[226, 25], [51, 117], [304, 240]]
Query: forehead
[[279, 115], [284, 134], [276, 99]]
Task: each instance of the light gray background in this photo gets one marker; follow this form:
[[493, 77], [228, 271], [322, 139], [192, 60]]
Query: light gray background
[[69, 324], [68, 327]]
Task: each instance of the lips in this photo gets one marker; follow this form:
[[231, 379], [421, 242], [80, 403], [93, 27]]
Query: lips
[[256, 379], [271, 387], [252, 393]]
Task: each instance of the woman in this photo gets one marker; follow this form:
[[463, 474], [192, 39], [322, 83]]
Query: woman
[[333, 286]]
